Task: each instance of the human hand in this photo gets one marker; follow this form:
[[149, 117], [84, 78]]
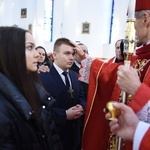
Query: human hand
[[125, 125], [74, 112], [77, 49], [43, 68], [128, 79]]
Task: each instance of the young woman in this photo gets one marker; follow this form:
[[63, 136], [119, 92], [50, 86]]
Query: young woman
[[43, 58], [25, 119]]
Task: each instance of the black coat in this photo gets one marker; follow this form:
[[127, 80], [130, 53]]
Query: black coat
[[18, 128]]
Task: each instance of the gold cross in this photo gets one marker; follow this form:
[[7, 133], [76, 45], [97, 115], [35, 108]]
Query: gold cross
[[71, 91]]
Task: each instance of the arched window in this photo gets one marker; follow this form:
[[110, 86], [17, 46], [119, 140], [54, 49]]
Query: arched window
[[48, 20]]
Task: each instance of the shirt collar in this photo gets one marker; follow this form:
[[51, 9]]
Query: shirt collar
[[59, 70], [77, 63]]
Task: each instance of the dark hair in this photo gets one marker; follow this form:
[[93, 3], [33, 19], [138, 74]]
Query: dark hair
[[61, 41], [85, 51], [46, 60], [13, 64], [118, 41], [122, 48], [81, 44]]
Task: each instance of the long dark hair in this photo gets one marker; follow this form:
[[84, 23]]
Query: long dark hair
[[13, 64]]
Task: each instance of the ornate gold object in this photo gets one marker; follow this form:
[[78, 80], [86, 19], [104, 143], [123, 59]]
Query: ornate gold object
[[113, 111], [129, 47], [129, 42]]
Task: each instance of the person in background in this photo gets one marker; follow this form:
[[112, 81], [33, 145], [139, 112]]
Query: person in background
[[43, 58], [118, 51], [50, 56], [63, 84], [25, 107], [77, 64], [76, 67], [129, 127]]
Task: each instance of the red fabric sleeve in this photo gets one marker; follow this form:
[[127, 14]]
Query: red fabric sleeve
[[141, 97], [145, 145]]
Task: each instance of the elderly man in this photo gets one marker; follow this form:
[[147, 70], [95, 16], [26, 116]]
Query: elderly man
[[103, 86], [77, 64]]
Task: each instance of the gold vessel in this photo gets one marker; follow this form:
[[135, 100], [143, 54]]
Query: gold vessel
[[113, 111]]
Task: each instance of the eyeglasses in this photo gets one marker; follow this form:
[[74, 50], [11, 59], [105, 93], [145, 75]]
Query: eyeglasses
[[42, 54]]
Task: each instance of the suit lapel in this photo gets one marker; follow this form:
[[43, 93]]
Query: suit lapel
[[57, 78]]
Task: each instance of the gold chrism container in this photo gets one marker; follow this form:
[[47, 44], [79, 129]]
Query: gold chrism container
[[113, 111]]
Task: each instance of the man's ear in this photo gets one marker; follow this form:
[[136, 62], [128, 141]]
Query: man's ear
[[146, 18], [54, 54]]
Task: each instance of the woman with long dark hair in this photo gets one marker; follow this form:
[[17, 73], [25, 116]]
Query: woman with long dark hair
[[43, 58], [25, 118]]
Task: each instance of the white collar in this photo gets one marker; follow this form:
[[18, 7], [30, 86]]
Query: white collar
[[77, 63], [59, 70]]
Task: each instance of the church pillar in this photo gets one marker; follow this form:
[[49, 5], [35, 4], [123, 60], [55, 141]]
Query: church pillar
[[70, 13]]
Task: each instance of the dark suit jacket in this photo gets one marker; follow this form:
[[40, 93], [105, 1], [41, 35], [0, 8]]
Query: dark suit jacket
[[69, 130], [75, 68]]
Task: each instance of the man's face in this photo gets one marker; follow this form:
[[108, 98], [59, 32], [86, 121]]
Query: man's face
[[141, 30], [64, 57], [77, 57], [118, 50]]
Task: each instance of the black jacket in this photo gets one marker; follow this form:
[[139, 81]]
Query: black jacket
[[18, 128]]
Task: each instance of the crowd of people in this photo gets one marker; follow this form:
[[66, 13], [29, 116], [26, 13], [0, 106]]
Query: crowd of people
[[57, 101]]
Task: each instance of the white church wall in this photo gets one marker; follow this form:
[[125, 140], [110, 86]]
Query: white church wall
[[68, 18], [97, 13], [10, 13], [118, 28]]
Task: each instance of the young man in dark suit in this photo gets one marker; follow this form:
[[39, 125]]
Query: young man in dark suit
[[70, 101]]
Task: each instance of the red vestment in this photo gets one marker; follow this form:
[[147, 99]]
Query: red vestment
[[145, 141], [103, 88], [112, 60]]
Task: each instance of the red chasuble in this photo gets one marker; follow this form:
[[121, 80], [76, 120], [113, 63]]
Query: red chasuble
[[103, 88]]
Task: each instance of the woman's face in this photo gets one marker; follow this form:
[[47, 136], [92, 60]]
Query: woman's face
[[42, 54], [32, 55]]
